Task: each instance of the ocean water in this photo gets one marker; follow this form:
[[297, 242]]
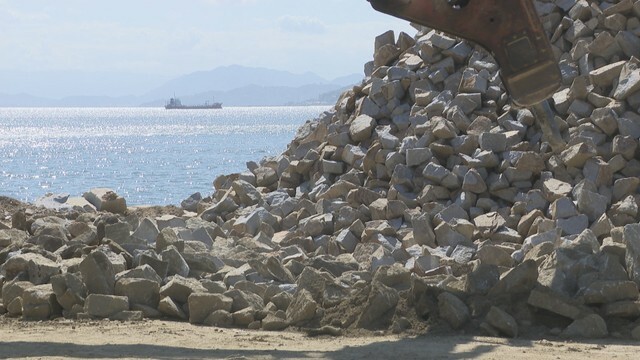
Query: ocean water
[[150, 156]]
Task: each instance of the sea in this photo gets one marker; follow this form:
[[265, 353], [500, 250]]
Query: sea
[[150, 156]]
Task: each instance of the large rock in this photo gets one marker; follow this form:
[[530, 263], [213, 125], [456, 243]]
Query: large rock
[[104, 306], [602, 292], [244, 299], [361, 128], [39, 303], [139, 291], [554, 303], [502, 321], [147, 231], [177, 265], [12, 296], [519, 280], [169, 308], [591, 326], [631, 237], [98, 273], [179, 288], [38, 268], [381, 301], [201, 305], [303, 308], [69, 290], [453, 310], [106, 200]]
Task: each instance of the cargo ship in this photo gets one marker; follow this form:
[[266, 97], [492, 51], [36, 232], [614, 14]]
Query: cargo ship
[[175, 103]]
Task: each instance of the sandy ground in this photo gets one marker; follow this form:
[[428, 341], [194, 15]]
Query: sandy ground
[[64, 339]]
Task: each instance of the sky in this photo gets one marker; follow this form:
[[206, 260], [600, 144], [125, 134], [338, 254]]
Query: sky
[[331, 38]]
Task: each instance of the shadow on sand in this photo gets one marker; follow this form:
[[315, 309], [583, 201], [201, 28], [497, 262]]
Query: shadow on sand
[[404, 348]]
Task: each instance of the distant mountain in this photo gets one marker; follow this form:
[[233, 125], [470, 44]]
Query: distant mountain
[[231, 77], [253, 95], [232, 85]]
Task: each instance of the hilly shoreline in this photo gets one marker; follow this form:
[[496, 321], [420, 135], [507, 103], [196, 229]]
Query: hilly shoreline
[[233, 85]]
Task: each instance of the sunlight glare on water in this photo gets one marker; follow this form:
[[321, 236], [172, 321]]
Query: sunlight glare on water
[[147, 155]]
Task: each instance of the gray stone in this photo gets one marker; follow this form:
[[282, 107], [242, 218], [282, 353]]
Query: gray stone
[[69, 290], [243, 317], [119, 232], [622, 309], [591, 326], [177, 265], [203, 261], [494, 255], [625, 187], [104, 306], [592, 204], [601, 292], [143, 271], [631, 237], [554, 303], [219, 318], [274, 323], [628, 82], [106, 200], [220, 208], [201, 305], [333, 167], [158, 266], [147, 231], [265, 176], [169, 308], [302, 308], [277, 271], [502, 321], [361, 128], [12, 293], [98, 273], [423, 232], [381, 300], [474, 182], [39, 303], [573, 225], [347, 240], [494, 142], [563, 208], [38, 268], [139, 291], [605, 75], [577, 155], [418, 156], [179, 289], [248, 224], [555, 189], [244, 299], [168, 237], [127, 316], [625, 146], [519, 280], [453, 310]]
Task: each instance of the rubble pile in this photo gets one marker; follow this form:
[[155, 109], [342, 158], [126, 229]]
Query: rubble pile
[[425, 199]]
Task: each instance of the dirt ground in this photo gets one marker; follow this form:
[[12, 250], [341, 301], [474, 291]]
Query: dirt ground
[[65, 339]]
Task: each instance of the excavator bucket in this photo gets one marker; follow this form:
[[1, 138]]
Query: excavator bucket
[[510, 29]]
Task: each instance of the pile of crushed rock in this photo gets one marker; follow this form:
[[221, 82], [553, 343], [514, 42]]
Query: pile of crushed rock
[[423, 200]]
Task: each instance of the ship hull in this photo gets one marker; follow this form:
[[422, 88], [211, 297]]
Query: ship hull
[[193, 107]]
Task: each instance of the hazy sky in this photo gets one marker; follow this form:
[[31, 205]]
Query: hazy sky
[[329, 37]]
